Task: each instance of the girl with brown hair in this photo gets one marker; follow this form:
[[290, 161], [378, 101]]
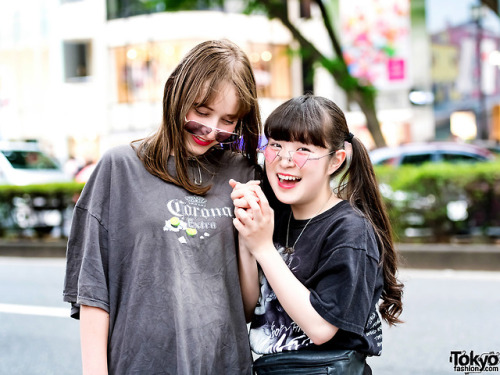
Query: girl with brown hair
[[152, 270], [312, 289]]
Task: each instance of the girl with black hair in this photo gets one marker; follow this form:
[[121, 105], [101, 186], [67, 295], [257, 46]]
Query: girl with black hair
[[313, 272]]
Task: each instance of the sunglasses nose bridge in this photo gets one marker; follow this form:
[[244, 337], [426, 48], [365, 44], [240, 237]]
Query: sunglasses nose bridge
[[205, 130], [284, 158], [210, 133], [296, 158]]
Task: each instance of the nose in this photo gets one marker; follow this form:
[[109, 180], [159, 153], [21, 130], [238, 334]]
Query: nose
[[286, 159], [211, 127], [210, 136]]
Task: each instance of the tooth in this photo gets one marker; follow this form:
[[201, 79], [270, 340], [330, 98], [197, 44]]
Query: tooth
[[288, 178]]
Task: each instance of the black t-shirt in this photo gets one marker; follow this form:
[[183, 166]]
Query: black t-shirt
[[337, 259]]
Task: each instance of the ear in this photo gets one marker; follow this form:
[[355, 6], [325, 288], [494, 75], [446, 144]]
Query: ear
[[336, 161]]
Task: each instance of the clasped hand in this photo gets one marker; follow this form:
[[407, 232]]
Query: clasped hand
[[254, 217]]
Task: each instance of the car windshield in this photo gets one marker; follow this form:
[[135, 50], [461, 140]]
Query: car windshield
[[29, 159], [416, 159], [457, 158]]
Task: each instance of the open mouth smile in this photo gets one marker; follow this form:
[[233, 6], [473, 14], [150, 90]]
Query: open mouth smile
[[287, 181]]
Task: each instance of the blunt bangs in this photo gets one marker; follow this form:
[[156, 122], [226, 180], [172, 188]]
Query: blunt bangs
[[298, 120]]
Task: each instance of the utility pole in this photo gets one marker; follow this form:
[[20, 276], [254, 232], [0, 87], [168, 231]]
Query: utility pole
[[482, 112]]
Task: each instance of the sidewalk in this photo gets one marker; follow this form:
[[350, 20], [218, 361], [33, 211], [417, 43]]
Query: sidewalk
[[480, 257], [54, 248]]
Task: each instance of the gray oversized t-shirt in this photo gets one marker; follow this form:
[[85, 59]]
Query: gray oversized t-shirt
[[163, 263]]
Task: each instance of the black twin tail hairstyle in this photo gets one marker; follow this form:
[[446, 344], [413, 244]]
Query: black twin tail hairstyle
[[359, 185]]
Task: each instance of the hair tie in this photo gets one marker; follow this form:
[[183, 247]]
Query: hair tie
[[349, 137]]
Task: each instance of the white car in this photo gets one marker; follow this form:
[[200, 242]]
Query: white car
[[419, 153], [24, 163]]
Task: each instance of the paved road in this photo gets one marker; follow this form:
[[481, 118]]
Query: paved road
[[36, 334], [444, 311]]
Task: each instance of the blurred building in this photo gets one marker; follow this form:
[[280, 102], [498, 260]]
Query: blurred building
[[84, 75], [81, 78], [465, 73]]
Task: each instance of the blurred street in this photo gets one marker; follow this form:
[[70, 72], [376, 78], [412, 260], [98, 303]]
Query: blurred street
[[444, 311], [36, 334]]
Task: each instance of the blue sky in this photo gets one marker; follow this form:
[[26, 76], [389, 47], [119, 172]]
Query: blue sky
[[439, 12]]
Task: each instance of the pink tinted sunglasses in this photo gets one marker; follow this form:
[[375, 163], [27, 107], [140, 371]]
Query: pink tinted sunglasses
[[199, 129], [298, 157]]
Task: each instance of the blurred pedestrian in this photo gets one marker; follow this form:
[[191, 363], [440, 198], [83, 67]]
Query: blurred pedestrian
[[313, 299], [73, 165], [152, 270]]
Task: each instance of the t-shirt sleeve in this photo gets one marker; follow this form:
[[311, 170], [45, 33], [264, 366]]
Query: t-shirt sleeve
[[343, 291], [86, 279], [86, 269]]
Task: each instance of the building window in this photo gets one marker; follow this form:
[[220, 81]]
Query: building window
[[76, 60], [129, 8], [271, 66], [142, 69]]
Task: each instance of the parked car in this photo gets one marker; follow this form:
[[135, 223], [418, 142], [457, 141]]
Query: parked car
[[419, 153], [450, 202], [24, 163]]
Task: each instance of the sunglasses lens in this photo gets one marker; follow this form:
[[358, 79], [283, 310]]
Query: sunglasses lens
[[300, 158], [270, 154], [196, 128], [224, 137]]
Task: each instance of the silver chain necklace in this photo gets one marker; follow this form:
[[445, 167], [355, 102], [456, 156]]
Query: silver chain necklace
[[290, 250]]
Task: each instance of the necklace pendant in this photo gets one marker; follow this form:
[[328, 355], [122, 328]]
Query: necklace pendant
[[199, 181], [289, 250]]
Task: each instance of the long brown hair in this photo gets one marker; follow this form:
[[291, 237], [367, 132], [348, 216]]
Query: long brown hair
[[319, 121], [200, 74]]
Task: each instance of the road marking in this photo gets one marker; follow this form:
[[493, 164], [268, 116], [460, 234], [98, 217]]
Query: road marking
[[58, 312], [36, 262], [409, 273]]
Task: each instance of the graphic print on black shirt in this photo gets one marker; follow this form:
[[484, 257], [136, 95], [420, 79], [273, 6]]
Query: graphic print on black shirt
[[373, 331], [272, 330], [338, 262]]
